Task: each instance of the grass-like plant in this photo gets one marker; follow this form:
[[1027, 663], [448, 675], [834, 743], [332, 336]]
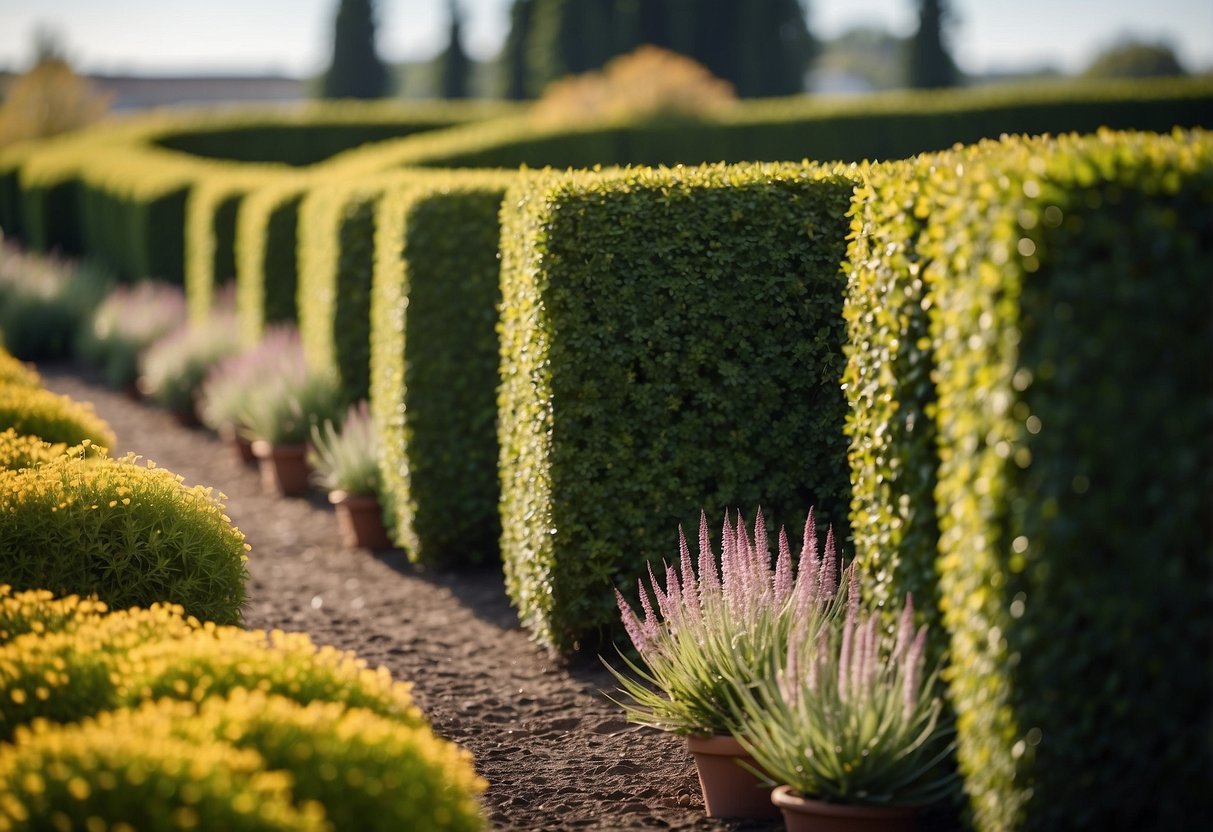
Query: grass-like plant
[[347, 459], [289, 404], [235, 380], [850, 717], [129, 320], [131, 533], [174, 367], [34, 411], [43, 301], [703, 635]]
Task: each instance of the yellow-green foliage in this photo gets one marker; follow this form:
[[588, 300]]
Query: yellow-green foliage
[[210, 229], [51, 417], [20, 450], [131, 533], [16, 372], [366, 771], [671, 342], [91, 777], [267, 274], [434, 364], [39, 611], [1066, 285], [92, 663]]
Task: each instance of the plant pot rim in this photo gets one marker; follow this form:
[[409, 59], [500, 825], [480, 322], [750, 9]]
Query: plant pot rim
[[714, 744], [264, 447], [786, 797], [339, 496]]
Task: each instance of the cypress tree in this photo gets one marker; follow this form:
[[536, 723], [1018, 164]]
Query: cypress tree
[[930, 65], [513, 54], [454, 68], [356, 70]]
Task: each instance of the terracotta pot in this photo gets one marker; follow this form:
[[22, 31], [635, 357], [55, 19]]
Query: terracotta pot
[[802, 814], [360, 519], [284, 468], [241, 443], [729, 791]]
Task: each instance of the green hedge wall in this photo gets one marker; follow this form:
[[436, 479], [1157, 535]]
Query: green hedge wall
[[336, 264], [434, 358], [1067, 283], [267, 273], [887, 126], [671, 342], [210, 230]]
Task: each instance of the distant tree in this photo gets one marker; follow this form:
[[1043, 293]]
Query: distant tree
[[773, 48], [930, 66], [356, 70], [568, 37], [50, 98], [454, 68], [1134, 59], [513, 55]]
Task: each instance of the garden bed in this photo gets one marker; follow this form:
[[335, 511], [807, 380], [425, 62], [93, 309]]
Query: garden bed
[[557, 754]]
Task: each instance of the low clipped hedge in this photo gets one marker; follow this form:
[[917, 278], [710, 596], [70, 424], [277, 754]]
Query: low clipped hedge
[[671, 341], [90, 663], [74, 777], [51, 417], [434, 356], [267, 257], [1065, 282], [132, 534]]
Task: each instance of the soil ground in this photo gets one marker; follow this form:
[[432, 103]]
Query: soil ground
[[556, 752]]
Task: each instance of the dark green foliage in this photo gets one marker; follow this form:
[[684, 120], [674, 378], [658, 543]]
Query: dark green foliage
[[513, 59], [52, 222], [454, 66], [671, 342], [1134, 59], [267, 272], [567, 37], [356, 70], [131, 534], [1066, 284], [930, 64], [434, 367]]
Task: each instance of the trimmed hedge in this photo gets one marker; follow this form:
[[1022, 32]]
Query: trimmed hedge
[[336, 263], [434, 356], [53, 418], [1066, 282], [671, 341], [267, 272], [131, 534]]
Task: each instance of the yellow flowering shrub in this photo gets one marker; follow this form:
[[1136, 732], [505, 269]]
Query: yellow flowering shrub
[[39, 611], [13, 371], [128, 532], [20, 450], [368, 772], [67, 671], [88, 777], [51, 417]]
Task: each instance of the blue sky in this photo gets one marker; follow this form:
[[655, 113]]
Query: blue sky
[[291, 36]]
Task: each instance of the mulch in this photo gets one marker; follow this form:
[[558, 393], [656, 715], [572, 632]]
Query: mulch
[[556, 752]]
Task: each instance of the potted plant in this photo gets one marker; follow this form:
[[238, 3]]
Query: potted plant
[[279, 420], [234, 381], [129, 320], [850, 729], [346, 464], [703, 635], [174, 367]]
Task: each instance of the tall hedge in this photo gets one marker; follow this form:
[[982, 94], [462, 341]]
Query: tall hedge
[[1067, 283], [434, 361], [671, 341], [267, 271]]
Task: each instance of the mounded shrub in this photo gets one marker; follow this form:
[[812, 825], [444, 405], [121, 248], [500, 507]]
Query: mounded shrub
[[39, 611], [43, 302], [20, 450], [175, 367], [17, 373], [53, 418], [1066, 282], [91, 777], [125, 324], [389, 776], [434, 356], [132, 534], [94, 663], [671, 341]]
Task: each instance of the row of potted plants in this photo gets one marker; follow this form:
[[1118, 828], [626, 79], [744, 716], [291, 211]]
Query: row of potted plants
[[794, 699]]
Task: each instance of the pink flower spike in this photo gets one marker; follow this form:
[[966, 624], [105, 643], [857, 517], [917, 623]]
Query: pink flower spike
[[761, 546], [630, 625], [844, 655], [728, 561], [783, 570], [809, 546], [905, 628], [684, 557], [673, 594], [662, 599], [913, 671], [829, 568], [649, 625], [709, 580]]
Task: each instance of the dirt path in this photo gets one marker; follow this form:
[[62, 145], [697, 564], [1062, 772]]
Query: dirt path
[[556, 753]]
